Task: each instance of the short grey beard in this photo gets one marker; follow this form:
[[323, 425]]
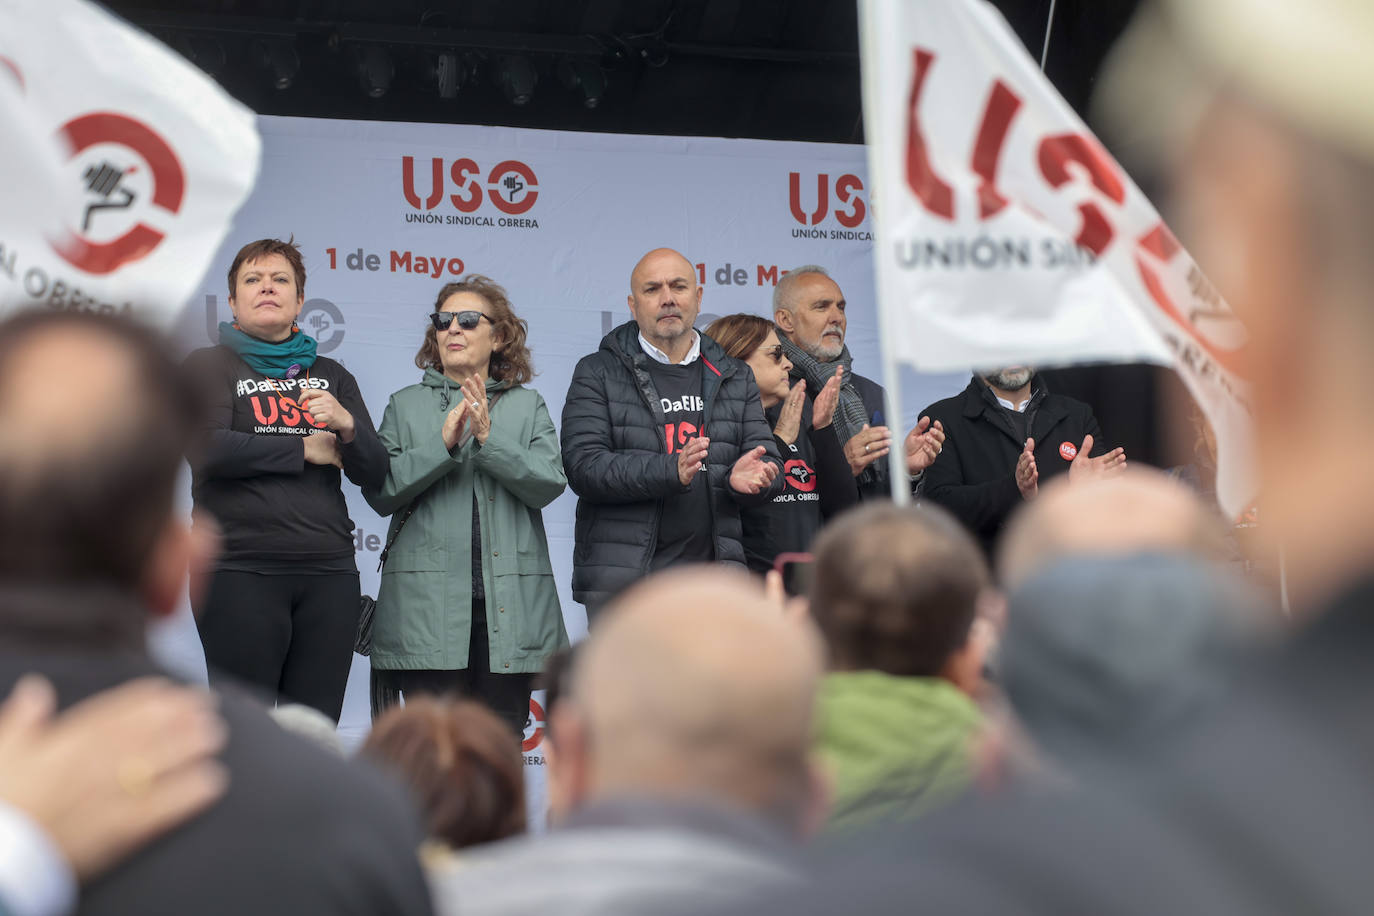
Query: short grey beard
[[1008, 381], [820, 352]]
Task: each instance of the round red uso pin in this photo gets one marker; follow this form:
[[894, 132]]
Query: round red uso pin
[[1068, 451]]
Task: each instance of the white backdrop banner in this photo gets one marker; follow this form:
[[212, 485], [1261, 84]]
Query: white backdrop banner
[[1009, 236], [388, 213], [124, 163]]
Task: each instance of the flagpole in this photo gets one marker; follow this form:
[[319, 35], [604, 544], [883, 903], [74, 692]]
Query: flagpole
[[887, 332], [1045, 51]]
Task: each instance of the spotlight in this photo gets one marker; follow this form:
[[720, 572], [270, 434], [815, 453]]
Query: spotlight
[[278, 57], [517, 77], [445, 71], [375, 71], [586, 76]]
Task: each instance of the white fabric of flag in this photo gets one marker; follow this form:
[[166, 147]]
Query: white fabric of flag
[[1007, 235], [124, 164]]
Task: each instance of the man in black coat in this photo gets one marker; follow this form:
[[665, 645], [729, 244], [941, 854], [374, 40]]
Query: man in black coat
[[663, 439], [1007, 433], [96, 421]]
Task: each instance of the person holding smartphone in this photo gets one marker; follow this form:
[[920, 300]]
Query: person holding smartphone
[[467, 604], [817, 481]]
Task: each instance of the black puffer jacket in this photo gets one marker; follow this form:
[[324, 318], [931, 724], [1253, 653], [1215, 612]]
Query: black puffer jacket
[[614, 457]]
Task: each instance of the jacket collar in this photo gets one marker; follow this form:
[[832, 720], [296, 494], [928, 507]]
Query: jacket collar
[[624, 343], [696, 815], [52, 616], [1043, 413]]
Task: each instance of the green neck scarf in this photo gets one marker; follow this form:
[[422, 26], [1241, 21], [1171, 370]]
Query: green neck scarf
[[273, 360]]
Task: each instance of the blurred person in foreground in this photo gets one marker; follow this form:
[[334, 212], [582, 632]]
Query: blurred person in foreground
[[1107, 655], [91, 548], [468, 604], [818, 482], [66, 813], [897, 592], [1140, 510], [1126, 619], [1269, 808], [462, 765], [686, 750]]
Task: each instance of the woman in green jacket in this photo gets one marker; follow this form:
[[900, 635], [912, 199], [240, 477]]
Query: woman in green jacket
[[467, 603]]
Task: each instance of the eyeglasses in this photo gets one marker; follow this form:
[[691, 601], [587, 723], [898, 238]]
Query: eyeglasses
[[774, 352], [467, 320]]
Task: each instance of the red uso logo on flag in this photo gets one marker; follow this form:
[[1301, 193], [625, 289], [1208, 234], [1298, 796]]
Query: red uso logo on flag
[[1068, 451], [116, 187]]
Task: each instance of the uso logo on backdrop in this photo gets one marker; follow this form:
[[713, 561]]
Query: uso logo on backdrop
[[534, 733], [462, 192], [826, 207]]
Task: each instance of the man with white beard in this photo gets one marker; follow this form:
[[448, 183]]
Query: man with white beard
[[809, 312], [1007, 434]]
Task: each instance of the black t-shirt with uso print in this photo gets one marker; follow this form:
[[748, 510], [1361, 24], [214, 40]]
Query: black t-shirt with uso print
[[684, 531]]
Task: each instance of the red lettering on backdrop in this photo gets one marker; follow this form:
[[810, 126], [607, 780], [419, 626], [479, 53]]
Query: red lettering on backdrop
[[845, 187], [930, 190], [408, 182], [459, 171], [794, 198]]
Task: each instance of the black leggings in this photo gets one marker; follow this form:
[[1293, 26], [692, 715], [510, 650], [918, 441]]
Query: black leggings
[[507, 695], [292, 635]]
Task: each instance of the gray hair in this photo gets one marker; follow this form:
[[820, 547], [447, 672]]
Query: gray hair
[[783, 290]]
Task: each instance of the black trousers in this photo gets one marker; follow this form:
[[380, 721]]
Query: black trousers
[[290, 636], [507, 695]]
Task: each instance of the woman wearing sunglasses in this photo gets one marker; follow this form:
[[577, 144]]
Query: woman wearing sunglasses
[[819, 483], [467, 604]]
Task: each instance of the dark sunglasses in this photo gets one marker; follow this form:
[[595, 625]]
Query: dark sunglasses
[[774, 352], [467, 320]]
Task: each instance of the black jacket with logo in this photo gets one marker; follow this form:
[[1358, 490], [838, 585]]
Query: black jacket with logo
[[817, 485], [617, 464], [975, 475], [274, 509]]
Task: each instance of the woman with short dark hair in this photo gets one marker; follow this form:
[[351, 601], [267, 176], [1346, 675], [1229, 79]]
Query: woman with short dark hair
[[468, 603], [284, 426]]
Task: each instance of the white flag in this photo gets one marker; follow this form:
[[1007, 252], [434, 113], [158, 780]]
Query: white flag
[[1007, 235], [124, 164]]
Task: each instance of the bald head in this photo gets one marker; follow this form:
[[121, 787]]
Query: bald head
[[95, 422], [665, 299], [693, 685], [1139, 511]]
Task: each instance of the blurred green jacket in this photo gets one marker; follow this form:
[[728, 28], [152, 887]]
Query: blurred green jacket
[[896, 747]]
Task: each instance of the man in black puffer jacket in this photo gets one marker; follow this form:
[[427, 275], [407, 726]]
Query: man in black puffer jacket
[[663, 439]]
